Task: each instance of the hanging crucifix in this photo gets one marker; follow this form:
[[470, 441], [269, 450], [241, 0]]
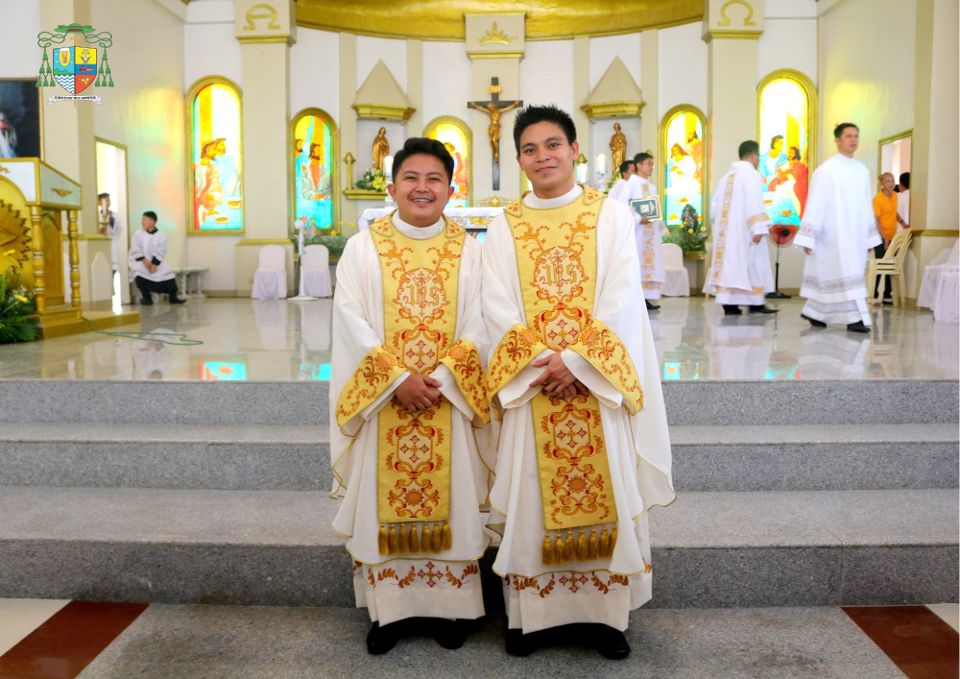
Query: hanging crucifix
[[494, 108]]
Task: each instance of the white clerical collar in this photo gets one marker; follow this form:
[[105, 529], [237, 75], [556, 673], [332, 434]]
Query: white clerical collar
[[534, 201], [418, 232], [641, 179]]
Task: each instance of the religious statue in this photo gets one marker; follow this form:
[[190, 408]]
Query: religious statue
[[380, 150], [494, 110], [618, 148]]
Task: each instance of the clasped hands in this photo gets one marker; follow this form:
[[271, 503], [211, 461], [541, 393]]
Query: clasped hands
[[418, 393], [557, 380]]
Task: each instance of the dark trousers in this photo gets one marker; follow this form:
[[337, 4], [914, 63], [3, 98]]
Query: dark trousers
[[879, 251], [146, 286]]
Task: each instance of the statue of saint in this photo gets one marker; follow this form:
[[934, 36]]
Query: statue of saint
[[618, 148], [380, 150], [494, 110]]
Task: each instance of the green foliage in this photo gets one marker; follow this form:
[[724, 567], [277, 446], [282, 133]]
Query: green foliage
[[372, 180], [691, 235], [334, 242], [17, 308]]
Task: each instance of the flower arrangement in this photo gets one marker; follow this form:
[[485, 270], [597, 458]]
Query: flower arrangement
[[333, 240], [690, 234], [17, 307], [372, 180]]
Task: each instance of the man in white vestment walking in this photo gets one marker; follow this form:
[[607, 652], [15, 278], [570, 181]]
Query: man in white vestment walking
[[148, 267], [619, 189], [740, 272], [407, 388], [837, 230], [649, 233], [583, 450]]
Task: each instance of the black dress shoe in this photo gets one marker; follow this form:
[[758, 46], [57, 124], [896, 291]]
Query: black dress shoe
[[815, 323], [177, 300], [451, 634], [381, 639], [146, 302], [520, 644], [887, 301], [857, 327], [651, 307], [732, 310], [610, 643], [762, 309]]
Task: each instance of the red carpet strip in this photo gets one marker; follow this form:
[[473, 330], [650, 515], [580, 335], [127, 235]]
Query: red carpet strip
[[66, 643], [915, 638]]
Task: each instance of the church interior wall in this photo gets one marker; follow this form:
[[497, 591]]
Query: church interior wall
[[603, 51], [683, 70], [446, 82], [546, 77], [20, 52]]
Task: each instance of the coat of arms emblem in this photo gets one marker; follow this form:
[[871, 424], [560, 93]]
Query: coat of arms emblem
[[74, 66]]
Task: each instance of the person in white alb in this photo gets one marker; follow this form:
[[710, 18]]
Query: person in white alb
[[619, 189], [740, 271], [838, 228], [648, 233], [583, 450], [148, 267]]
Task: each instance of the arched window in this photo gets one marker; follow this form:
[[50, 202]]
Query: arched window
[[216, 157], [681, 164], [455, 134], [786, 128], [313, 166]]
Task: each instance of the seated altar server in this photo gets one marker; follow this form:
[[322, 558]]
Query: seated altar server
[[149, 270], [837, 230], [740, 270], [406, 390], [583, 450]]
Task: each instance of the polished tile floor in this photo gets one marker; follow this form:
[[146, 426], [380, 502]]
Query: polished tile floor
[[242, 339]]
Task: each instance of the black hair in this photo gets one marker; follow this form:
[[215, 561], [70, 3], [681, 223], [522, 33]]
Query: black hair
[[838, 130], [101, 196], [905, 180], [624, 166], [423, 146], [151, 214], [531, 115], [640, 157], [747, 147], [773, 140]]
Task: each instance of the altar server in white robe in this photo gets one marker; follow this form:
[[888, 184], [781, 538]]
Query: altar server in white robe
[[407, 389], [583, 450], [649, 233], [740, 270], [148, 266], [619, 189], [837, 230]]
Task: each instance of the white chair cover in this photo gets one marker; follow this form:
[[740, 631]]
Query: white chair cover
[[315, 269], [677, 283], [270, 278], [944, 263]]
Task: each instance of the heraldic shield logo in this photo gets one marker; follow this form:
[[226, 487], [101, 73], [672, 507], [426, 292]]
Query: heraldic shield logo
[[74, 66]]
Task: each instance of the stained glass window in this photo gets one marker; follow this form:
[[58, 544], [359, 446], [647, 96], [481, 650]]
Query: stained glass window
[[216, 157], [682, 163], [784, 133], [455, 135], [314, 161]]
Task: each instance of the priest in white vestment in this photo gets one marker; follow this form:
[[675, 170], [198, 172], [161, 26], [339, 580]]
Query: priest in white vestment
[[649, 233], [583, 450], [837, 230], [740, 271], [407, 390], [619, 190], [149, 270]]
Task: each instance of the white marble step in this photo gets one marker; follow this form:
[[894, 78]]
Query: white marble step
[[277, 547]]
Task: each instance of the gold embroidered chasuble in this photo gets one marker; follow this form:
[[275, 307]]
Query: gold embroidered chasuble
[[556, 251], [420, 286]]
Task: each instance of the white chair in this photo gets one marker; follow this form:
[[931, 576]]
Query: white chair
[[270, 278], [890, 266], [947, 261], [315, 270], [677, 283]]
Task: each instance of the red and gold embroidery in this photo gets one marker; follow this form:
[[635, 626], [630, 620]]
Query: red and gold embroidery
[[463, 361], [517, 348], [429, 574], [378, 369], [605, 352], [557, 260], [544, 585], [420, 280]]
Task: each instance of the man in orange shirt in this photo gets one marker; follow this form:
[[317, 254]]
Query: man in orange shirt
[[885, 210]]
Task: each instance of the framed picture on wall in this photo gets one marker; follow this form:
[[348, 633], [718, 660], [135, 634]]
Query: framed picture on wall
[[21, 128], [647, 207]]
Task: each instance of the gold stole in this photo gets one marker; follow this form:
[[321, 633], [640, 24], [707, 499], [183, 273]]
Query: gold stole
[[420, 281], [557, 260]]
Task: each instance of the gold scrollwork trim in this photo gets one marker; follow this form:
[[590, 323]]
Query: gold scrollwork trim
[[495, 36], [732, 35], [262, 11], [265, 39], [63, 193], [383, 112], [614, 109], [747, 20], [473, 54]]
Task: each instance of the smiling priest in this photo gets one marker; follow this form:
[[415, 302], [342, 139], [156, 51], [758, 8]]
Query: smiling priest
[[583, 451], [407, 388]]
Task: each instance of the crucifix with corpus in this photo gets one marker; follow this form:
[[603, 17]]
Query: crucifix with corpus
[[494, 108]]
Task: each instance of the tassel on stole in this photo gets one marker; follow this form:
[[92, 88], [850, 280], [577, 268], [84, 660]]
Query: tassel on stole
[[578, 546], [406, 538]]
